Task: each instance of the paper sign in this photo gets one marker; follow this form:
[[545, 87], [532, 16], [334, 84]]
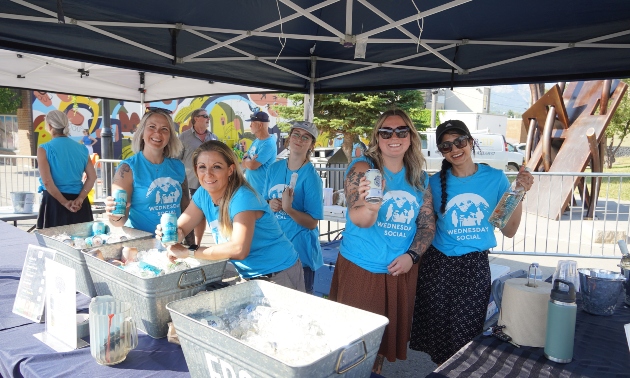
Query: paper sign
[[61, 303], [30, 297]]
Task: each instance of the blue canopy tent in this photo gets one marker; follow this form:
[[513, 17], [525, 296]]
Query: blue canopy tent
[[333, 45]]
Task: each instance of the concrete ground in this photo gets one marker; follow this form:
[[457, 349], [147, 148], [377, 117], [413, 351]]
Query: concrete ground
[[419, 364]]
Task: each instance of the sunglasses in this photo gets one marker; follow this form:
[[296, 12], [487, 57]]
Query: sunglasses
[[203, 115], [155, 109], [459, 142], [305, 138], [387, 132]]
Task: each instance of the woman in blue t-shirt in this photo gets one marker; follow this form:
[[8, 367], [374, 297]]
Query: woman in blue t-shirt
[[454, 279], [299, 208], [243, 225], [154, 178], [383, 241], [88, 141], [62, 163]]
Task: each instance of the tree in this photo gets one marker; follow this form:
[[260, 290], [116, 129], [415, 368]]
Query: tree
[[354, 114], [10, 100], [619, 127]]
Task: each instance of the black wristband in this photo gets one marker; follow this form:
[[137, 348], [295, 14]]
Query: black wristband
[[414, 256]]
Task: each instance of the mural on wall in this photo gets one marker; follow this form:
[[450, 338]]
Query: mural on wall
[[228, 117]]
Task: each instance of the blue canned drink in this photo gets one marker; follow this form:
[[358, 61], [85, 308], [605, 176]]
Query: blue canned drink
[[168, 222], [99, 228], [120, 196], [93, 241]]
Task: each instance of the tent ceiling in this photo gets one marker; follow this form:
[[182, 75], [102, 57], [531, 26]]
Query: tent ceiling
[[274, 44], [22, 70]]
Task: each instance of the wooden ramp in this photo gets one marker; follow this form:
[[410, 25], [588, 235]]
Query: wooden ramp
[[557, 126]]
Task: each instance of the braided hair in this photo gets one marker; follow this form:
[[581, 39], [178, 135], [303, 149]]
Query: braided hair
[[446, 165]]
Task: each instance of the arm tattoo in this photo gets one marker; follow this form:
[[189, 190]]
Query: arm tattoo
[[352, 187], [425, 223], [120, 175]]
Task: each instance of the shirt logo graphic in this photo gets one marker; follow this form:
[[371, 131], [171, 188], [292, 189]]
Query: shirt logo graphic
[[401, 206], [167, 192], [467, 209], [276, 192]]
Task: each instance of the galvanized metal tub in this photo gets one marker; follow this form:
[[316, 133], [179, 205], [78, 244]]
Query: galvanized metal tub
[[73, 257], [600, 290], [208, 351], [149, 296]]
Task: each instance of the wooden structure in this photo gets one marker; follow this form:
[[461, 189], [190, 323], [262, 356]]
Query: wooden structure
[[565, 133]]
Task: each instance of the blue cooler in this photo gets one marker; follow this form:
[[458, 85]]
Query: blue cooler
[[323, 275]]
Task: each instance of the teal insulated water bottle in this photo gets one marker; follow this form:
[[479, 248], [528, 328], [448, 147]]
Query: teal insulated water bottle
[[561, 313]]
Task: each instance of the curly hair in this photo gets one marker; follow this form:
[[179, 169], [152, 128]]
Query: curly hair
[[413, 160]]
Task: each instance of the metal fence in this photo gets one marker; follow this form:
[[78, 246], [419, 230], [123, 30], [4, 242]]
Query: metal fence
[[570, 235]]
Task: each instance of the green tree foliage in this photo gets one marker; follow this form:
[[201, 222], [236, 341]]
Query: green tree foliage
[[619, 127], [10, 100], [354, 114]]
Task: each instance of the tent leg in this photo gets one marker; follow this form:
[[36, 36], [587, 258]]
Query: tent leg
[[107, 146]]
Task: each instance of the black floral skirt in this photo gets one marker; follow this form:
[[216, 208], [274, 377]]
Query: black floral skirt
[[452, 298]]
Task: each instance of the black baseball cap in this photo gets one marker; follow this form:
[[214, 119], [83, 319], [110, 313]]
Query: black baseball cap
[[449, 125], [259, 116]]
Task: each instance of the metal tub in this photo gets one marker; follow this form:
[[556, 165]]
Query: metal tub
[[73, 257], [209, 352], [600, 290], [149, 296]]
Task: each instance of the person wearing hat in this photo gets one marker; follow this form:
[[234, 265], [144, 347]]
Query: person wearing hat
[[453, 288], [261, 154], [299, 208], [61, 164]]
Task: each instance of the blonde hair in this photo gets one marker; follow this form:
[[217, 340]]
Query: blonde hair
[[174, 147], [413, 160], [58, 120], [235, 181]]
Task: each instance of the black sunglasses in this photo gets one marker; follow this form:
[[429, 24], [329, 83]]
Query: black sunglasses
[[459, 142], [155, 109], [203, 115], [387, 132]]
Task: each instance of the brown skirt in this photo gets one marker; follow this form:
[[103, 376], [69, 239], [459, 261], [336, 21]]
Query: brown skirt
[[382, 294]]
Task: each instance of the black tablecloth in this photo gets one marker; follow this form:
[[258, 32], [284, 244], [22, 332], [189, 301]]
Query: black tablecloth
[[600, 350]]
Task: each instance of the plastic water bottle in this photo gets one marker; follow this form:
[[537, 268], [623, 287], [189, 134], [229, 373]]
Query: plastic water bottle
[[506, 206]]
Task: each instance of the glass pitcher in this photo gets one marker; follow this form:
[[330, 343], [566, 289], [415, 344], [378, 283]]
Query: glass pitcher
[[113, 331]]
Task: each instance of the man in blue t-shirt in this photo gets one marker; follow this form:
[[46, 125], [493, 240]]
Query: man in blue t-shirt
[[261, 154]]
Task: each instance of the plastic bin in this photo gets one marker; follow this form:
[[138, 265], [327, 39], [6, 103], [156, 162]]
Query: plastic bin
[[209, 352], [149, 296], [73, 257], [323, 275]]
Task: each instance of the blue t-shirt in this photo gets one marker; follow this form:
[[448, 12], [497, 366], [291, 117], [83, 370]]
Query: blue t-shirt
[[270, 250], [308, 198], [157, 189], [267, 152], [464, 227], [86, 140], [374, 248], [67, 160]]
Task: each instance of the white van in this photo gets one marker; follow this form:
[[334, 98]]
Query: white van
[[492, 151]]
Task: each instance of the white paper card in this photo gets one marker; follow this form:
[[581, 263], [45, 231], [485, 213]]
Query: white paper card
[[61, 303], [30, 296], [627, 328]]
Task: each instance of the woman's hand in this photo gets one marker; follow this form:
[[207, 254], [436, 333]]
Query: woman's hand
[[110, 205], [401, 265], [287, 199], [159, 234], [364, 188], [77, 203], [69, 204], [177, 251], [275, 204], [525, 179]]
